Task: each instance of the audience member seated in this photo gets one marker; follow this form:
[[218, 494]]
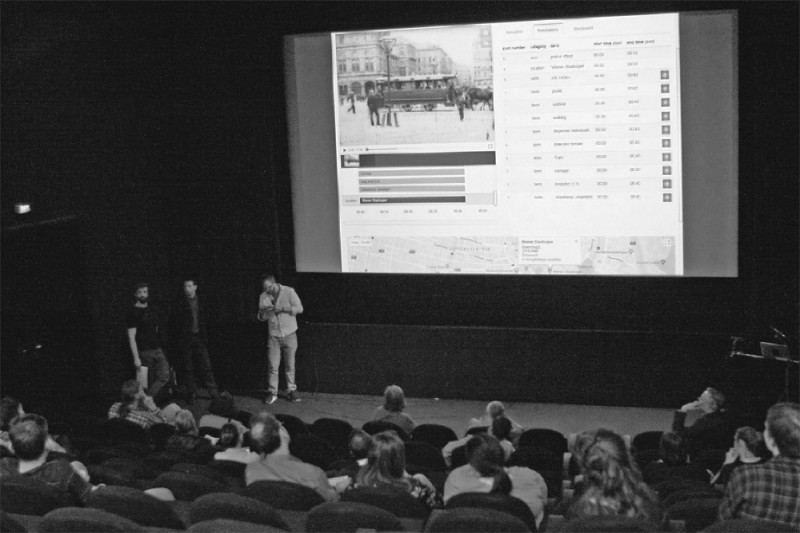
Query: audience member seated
[[611, 484], [484, 472], [770, 491], [711, 430], [187, 440], [10, 408], [271, 441], [673, 462], [231, 438], [28, 434], [386, 465], [748, 448], [500, 428], [394, 401], [494, 409], [358, 444], [137, 407]]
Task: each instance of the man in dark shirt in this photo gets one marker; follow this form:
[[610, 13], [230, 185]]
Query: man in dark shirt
[[190, 324], [29, 434], [144, 337], [711, 431]]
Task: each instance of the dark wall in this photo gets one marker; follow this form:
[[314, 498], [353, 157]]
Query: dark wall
[[161, 125]]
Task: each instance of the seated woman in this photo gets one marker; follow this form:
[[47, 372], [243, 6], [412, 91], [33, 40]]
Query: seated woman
[[386, 465], [611, 483], [748, 448], [673, 462], [187, 440], [484, 472], [137, 407], [231, 437], [394, 401], [495, 409]]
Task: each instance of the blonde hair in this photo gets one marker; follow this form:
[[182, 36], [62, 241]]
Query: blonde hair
[[185, 423]]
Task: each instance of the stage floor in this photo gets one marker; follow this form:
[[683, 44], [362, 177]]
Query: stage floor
[[456, 414]]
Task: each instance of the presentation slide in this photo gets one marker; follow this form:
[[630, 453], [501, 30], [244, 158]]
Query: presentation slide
[[551, 147]]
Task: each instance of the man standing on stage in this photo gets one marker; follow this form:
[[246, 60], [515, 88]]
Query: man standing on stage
[[278, 306], [190, 324], [143, 323]]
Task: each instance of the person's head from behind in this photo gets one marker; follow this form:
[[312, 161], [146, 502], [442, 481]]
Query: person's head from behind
[[501, 428], [487, 457], [606, 459], [386, 460], [267, 433], [394, 399], [28, 434], [495, 409], [131, 392], [672, 449], [749, 443], [358, 443], [229, 436], [10, 408], [185, 423], [782, 430]]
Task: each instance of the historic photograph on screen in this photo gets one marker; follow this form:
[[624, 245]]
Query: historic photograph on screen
[[414, 86]]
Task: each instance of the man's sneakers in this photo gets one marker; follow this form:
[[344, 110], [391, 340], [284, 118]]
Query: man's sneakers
[[291, 396]]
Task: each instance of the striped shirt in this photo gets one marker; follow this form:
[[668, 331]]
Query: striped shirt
[[768, 491]]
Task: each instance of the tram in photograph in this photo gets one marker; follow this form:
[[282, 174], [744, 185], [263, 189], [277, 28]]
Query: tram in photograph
[[421, 91]]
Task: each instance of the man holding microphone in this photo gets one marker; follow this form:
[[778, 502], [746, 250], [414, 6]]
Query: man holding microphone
[[279, 306]]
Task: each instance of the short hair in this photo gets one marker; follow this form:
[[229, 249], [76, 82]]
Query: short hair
[[672, 449], [28, 434], [265, 433], [358, 443], [394, 399], [495, 409], [228, 436], [718, 397], [265, 277], [487, 457], [783, 423], [141, 285], [753, 440], [9, 409], [501, 427], [185, 422]]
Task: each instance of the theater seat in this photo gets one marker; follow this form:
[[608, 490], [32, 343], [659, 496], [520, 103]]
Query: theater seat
[[135, 505], [350, 517], [394, 499], [188, 487], [436, 435], [24, 495], [499, 502], [234, 507], [473, 519], [224, 525], [86, 520], [284, 495]]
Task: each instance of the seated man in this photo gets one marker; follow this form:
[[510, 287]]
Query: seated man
[[711, 430], [271, 441], [500, 427], [28, 435], [770, 491], [748, 448]]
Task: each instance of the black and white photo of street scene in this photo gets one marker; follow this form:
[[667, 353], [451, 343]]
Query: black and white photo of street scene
[[415, 86]]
